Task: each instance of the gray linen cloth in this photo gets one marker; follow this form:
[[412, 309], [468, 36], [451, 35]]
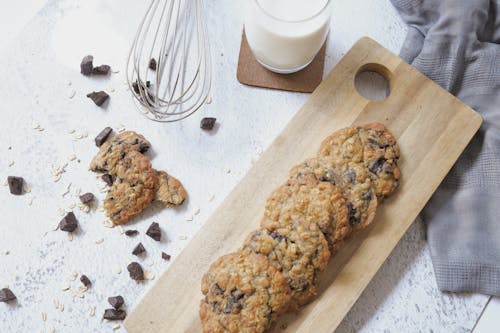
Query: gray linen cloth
[[456, 43]]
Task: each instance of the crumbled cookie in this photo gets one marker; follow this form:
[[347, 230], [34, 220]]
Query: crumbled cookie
[[133, 189], [351, 179], [115, 149], [313, 204], [243, 293], [300, 253], [371, 145], [169, 190]]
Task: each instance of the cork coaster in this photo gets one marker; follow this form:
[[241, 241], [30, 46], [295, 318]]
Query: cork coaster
[[251, 73]]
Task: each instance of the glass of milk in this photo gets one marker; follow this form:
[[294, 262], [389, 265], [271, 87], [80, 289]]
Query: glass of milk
[[286, 35]]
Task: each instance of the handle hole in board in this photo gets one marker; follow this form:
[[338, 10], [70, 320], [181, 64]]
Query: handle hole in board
[[372, 81]]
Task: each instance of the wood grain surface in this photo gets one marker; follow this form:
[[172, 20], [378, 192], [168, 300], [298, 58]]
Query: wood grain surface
[[432, 128]]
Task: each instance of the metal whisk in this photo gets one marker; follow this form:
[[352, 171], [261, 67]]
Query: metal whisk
[[174, 33]]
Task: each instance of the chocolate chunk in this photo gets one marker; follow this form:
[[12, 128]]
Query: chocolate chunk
[[108, 179], [350, 176], [6, 295], [85, 280], [113, 314], [68, 223], [135, 86], [102, 136], [116, 301], [207, 123], [138, 249], [353, 219], [15, 185], [165, 256], [154, 231], [131, 233], [86, 65], [377, 165], [86, 198], [216, 289], [98, 97], [152, 64], [101, 70], [276, 236], [135, 271]]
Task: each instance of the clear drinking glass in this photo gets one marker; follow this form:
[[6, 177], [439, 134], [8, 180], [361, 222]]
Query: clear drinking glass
[[286, 35]]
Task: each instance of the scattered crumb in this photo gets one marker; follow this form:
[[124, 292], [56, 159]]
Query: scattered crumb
[[182, 237], [56, 303], [26, 188], [73, 275], [148, 275], [61, 307], [70, 83], [116, 327], [70, 236], [151, 263], [51, 329], [30, 200], [71, 131], [55, 226], [108, 224], [211, 198], [65, 287], [189, 218], [227, 170], [117, 270], [44, 316], [10, 163], [72, 157], [99, 241], [72, 94], [120, 230], [208, 100], [91, 311]]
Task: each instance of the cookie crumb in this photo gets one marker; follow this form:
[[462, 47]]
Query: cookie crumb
[[71, 94], [99, 240], [44, 316]]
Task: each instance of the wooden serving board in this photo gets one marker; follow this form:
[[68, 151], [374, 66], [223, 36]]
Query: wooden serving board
[[432, 128]]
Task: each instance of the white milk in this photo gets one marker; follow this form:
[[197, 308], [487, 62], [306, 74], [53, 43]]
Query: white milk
[[285, 35]]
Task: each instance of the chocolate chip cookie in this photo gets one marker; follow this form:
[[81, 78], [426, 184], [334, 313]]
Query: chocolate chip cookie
[[243, 293], [312, 203], [350, 178], [133, 189], [372, 146], [169, 190], [300, 253], [113, 150]]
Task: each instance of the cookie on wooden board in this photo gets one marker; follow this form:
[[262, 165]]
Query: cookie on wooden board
[[351, 179], [312, 203], [371, 145], [243, 293], [300, 253]]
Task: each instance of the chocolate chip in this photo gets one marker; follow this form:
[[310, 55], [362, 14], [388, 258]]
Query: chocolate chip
[[353, 219], [6, 295], [85, 280], [101, 70], [154, 231], [276, 236], [86, 198], [135, 86], [102, 136], [367, 195], [165, 256], [131, 233], [68, 223], [116, 301], [15, 185], [138, 249], [113, 314], [86, 65], [207, 123], [135, 271], [216, 289], [98, 97], [237, 294], [377, 165], [152, 64], [350, 176], [108, 179]]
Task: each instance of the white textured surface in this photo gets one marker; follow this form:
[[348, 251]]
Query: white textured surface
[[36, 70]]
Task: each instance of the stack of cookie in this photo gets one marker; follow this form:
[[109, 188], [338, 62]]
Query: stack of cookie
[[134, 183], [326, 200]]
